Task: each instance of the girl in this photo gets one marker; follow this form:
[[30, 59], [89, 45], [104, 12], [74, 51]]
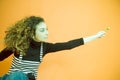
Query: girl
[[27, 41]]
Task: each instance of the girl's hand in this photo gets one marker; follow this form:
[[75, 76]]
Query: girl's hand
[[101, 34]]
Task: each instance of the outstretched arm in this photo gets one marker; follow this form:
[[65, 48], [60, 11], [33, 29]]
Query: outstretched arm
[[93, 37], [72, 43]]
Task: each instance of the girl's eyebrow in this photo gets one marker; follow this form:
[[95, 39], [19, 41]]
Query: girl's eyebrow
[[43, 28]]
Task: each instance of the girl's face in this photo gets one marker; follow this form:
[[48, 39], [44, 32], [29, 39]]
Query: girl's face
[[41, 32]]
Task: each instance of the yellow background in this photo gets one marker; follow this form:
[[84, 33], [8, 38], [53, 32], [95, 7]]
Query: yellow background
[[67, 20]]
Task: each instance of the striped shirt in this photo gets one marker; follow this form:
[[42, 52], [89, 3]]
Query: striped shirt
[[24, 66]]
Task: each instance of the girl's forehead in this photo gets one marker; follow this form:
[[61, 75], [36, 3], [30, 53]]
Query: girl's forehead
[[41, 25]]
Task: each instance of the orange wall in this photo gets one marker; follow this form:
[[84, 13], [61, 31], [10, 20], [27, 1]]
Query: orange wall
[[66, 20]]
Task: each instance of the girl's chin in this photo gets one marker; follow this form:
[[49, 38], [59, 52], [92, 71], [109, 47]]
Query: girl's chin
[[45, 40], [41, 40]]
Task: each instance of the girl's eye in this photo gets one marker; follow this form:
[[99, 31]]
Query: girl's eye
[[42, 30]]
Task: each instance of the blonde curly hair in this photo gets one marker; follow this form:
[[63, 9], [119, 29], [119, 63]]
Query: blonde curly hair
[[19, 35]]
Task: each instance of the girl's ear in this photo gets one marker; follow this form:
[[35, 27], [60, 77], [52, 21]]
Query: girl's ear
[[33, 37]]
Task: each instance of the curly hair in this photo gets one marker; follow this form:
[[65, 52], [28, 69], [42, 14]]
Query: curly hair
[[19, 35]]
